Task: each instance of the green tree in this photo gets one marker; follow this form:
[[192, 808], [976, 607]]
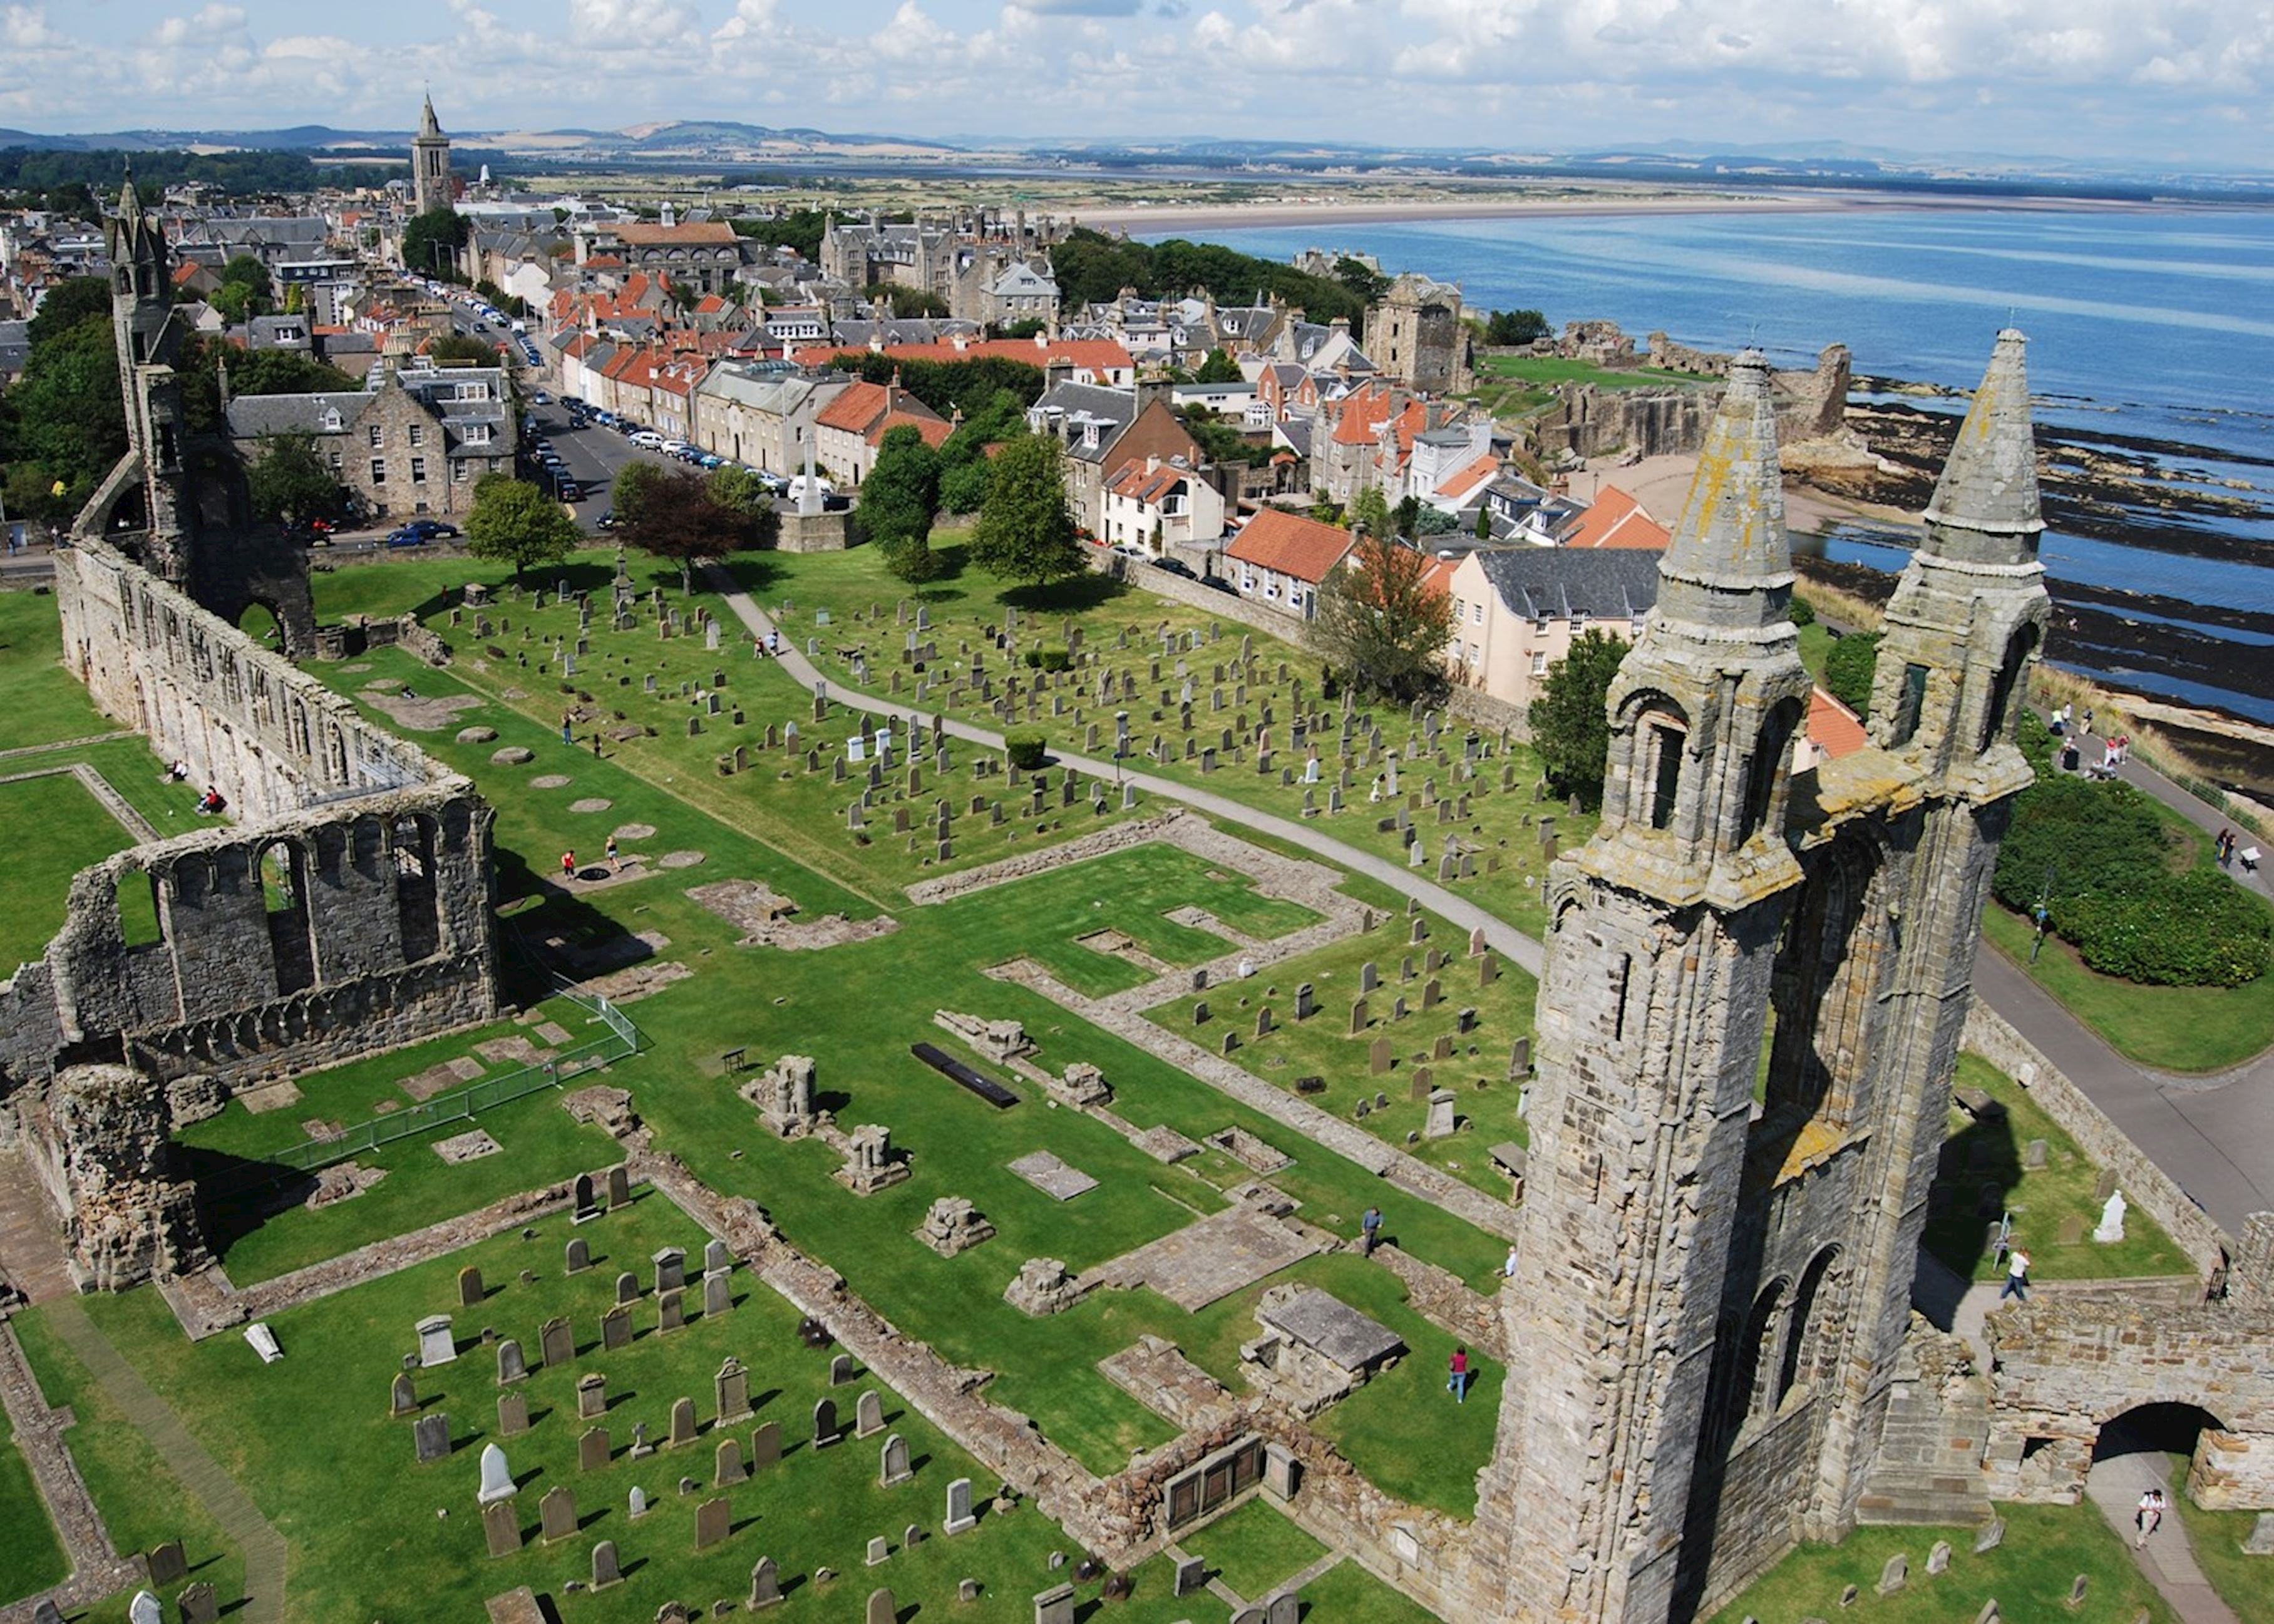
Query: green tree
[[68, 303], [63, 421], [963, 488], [1484, 524], [1219, 367], [675, 517], [463, 350], [431, 242], [1369, 510], [1025, 532], [1515, 326], [515, 522], [289, 479], [740, 492], [634, 484], [1571, 717], [1361, 279], [1848, 669], [901, 492], [1381, 627], [907, 301]]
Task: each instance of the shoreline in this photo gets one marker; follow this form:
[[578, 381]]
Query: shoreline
[[1147, 219]]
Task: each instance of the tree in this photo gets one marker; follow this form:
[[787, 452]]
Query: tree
[[431, 242], [515, 522], [635, 482], [963, 488], [1219, 367], [740, 492], [1570, 719], [63, 420], [291, 479], [1382, 627], [1848, 669], [1515, 326], [674, 516], [907, 301], [463, 350], [1361, 279], [1369, 510], [68, 303], [901, 493], [1025, 533], [1484, 524]]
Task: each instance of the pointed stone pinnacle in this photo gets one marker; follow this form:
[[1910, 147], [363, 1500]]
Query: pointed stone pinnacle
[[1990, 483], [1731, 538]]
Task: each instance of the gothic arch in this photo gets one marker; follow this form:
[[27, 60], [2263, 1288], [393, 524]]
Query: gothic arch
[[1808, 1334]]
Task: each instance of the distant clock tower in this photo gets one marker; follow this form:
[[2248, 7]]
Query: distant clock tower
[[430, 163]]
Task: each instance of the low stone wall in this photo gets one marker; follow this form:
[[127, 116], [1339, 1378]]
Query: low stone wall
[[2144, 1184], [1480, 708], [1192, 595]]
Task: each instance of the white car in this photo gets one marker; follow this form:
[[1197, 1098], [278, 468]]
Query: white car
[[822, 488], [647, 440]]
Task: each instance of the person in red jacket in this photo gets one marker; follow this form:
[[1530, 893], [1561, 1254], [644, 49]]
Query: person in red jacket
[[1457, 1384]]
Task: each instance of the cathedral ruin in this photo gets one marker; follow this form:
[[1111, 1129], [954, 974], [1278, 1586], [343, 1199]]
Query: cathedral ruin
[[346, 909]]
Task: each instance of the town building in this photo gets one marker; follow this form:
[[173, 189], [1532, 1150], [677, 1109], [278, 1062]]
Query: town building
[[416, 440], [1282, 558]]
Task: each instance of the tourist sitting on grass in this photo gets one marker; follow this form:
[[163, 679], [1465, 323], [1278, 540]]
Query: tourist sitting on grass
[[211, 802], [178, 773]]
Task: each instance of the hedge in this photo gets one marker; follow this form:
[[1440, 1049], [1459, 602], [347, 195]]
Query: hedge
[[1027, 749]]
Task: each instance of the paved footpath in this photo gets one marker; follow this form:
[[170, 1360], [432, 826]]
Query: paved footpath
[[240, 1520], [2213, 1135], [2166, 1557]]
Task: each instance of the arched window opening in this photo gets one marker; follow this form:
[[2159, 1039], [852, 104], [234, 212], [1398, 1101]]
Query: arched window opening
[[416, 895], [2019, 647], [1803, 1342], [1777, 729], [1755, 1354], [1663, 738]]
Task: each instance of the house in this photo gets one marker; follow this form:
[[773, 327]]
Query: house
[[701, 255], [1615, 519], [1518, 611], [1281, 559], [1159, 505], [1021, 293], [1103, 431], [416, 440], [761, 416], [848, 431]]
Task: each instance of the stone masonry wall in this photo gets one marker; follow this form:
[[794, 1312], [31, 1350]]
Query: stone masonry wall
[[1994, 1037]]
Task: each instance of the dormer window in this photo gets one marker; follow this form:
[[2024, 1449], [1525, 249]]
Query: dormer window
[[331, 421]]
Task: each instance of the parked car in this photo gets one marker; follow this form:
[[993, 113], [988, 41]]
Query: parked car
[[608, 521], [571, 491], [647, 440], [1175, 566], [1219, 584], [425, 530], [408, 537]]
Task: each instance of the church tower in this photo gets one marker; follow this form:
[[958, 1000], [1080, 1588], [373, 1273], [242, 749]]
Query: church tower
[[430, 163], [148, 340], [1665, 929]]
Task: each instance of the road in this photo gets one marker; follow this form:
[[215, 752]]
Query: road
[[595, 455]]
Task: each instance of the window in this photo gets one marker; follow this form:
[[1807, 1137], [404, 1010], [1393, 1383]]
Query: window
[[378, 471], [1913, 701], [418, 471], [1458, 610], [331, 420], [476, 433], [1539, 663], [418, 434], [339, 462], [473, 392], [1477, 613], [1666, 773], [458, 472], [376, 435]]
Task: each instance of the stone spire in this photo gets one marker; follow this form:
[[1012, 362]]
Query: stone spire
[[428, 124], [1985, 505], [1729, 565]]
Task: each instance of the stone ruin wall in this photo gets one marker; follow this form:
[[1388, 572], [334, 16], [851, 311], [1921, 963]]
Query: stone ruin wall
[[348, 910], [1588, 421]]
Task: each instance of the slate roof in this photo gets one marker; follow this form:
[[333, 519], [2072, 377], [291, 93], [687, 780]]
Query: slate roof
[[1112, 409], [251, 416], [1557, 583]]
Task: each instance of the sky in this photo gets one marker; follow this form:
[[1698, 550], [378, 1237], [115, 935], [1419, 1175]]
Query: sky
[[2181, 84]]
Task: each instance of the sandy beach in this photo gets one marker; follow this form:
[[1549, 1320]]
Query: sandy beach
[[1142, 218]]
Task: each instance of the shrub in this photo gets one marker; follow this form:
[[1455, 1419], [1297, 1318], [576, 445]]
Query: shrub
[[1051, 656], [2193, 929], [1027, 748], [1847, 671], [1803, 614]]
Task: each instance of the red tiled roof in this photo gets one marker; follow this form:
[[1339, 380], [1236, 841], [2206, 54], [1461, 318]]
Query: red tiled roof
[[1833, 727], [1290, 545], [1096, 355], [854, 409], [1617, 520], [1480, 472], [934, 430]]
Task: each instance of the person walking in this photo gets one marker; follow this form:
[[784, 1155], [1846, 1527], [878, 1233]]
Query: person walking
[[1370, 1228], [568, 865], [612, 856], [2222, 847], [1456, 1381], [2017, 1275]]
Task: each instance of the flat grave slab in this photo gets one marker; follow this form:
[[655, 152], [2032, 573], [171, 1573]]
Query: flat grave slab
[[1207, 1261], [470, 1145], [1322, 1322], [1163, 1143], [1052, 1177], [986, 1088], [269, 1097]]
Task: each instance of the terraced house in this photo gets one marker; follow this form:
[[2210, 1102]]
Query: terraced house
[[417, 439]]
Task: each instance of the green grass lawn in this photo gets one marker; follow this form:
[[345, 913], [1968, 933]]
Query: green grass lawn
[[1254, 1549], [2245, 1584], [2030, 1574], [143, 1503], [31, 1557], [1518, 386], [45, 701], [311, 1441], [1977, 1154], [56, 828], [2186, 1029], [1346, 1591], [1323, 1046]]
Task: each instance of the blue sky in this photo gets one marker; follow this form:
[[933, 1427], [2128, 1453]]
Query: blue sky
[[2182, 83]]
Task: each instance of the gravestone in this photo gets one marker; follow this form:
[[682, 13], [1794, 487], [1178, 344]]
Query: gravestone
[[402, 1396], [511, 1367], [168, 1564], [868, 1415], [2034, 1154], [1380, 1055], [882, 1608], [469, 1287], [730, 1390], [556, 1514], [765, 1446], [717, 1292], [825, 1424], [636, 1503], [620, 1186], [199, 1605], [879, 1549], [960, 1520], [497, 1477], [716, 1256], [1192, 1575], [765, 1585], [726, 1463], [670, 1269], [435, 1345], [616, 1329], [430, 1437], [670, 1310], [513, 1414], [1440, 1124], [892, 1466], [587, 1199], [578, 1256], [626, 1289], [1055, 1606], [840, 1370], [713, 1519], [502, 1527], [1284, 1608], [683, 1423], [1992, 1535], [1895, 1575], [593, 1449], [557, 1342], [606, 1569], [1938, 1556], [1358, 1017]]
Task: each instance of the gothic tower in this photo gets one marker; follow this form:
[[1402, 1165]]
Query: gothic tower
[[148, 340], [1664, 929], [430, 163]]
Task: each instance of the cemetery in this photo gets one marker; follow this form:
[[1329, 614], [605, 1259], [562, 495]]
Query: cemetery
[[938, 1182]]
